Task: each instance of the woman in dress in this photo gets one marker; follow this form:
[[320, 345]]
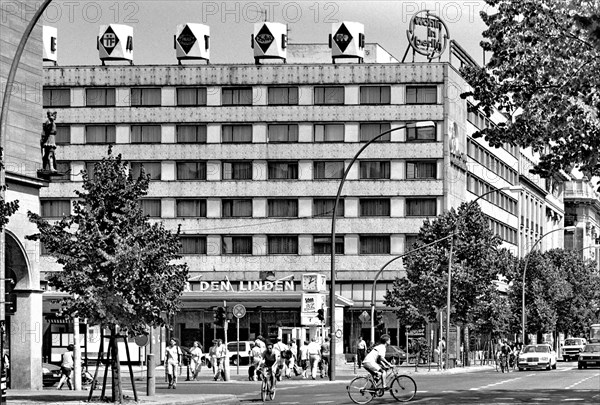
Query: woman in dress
[[196, 363], [173, 355]]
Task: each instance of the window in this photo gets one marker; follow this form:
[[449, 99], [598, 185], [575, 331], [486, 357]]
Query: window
[[55, 208], [375, 94], [236, 134], [191, 208], [282, 245], [328, 170], [145, 133], [420, 134], [100, 134], [283, 95], [191, 170], [374, 207], [191, 96], [329, 133], [421, 94], [409, 241], [236, 245], [237, 96], [374, 244], [370, 131], [421, 170], [100, 97], [421, 207], [237, 170], [329, 95], [283, 208], [90, 168], [283, 133], [374, 170], [56, 97], [150, 207], [323, 207], [192, 245], [237, 208], [283, 170], [322, 245], [63, 134], [150, 168], [62, 167], [145, 97], [191, 133]]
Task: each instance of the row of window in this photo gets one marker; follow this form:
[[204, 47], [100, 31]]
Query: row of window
[[276, 170], [276, 207], [491, 162], [233, 96], [505, 232], [241, 133], [481, 121], [479, 187]]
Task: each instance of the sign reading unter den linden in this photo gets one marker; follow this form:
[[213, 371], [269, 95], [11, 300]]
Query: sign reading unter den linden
[[243, 285], [427, 34]]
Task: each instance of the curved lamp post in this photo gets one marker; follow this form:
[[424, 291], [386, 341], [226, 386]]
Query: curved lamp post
[[381, 271], [566, 228], [422, 124], [449, 293]]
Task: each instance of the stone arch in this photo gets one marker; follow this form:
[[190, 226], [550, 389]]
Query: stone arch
[[16, 262]]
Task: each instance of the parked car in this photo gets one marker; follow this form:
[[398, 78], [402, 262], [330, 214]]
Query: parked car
[[540, 356], [50, 374], [590, 356], [572, 347], [241, 357], [395, 355]]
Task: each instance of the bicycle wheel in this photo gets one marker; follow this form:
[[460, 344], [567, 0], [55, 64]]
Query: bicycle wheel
[[403, 388], [272, 392], [264, 389], [361, 390]]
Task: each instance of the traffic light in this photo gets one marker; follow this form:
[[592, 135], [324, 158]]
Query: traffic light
[[321, 314], [378, 318], [220, 315]]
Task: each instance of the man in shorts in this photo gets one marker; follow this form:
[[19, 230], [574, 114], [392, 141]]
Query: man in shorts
[[376, 358], [270, 360]]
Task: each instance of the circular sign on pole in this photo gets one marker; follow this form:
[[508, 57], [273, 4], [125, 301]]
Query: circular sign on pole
[[141, 340], [239, 311]]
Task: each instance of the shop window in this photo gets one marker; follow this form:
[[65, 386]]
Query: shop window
[[191, 170], [192, 207], [191, 133], [191, 96]]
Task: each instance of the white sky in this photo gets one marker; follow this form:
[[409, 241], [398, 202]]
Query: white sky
[[231, 24]]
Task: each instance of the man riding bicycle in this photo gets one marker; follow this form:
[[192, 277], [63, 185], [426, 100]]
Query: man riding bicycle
[[376, 358], [269, 362]]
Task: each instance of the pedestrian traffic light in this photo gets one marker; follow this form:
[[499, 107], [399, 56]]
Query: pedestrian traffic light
[[220, 315], [321, 314], [378, 318]]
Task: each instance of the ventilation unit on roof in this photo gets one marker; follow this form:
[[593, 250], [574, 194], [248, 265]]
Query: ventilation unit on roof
[[269, 41], [192, 42], [49, 38], [347, 40], [115, 43]]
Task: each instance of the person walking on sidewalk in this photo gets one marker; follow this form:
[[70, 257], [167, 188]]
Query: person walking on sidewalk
[[361, 350], [281, 349], [293, 360], [314, 356], [66, 368], [173, 356], [325, 347], [196, 360], [304, 359], [220, 356]]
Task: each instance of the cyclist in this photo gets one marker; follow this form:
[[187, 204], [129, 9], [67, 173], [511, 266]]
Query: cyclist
[[269, 361], [376, 358], [505, 352]]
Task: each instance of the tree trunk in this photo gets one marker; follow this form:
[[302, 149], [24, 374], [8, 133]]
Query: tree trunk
[[117, 392]]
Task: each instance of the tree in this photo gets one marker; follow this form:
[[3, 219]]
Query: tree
[[120, 270], [543, 74], [418, 296], [6, 208]]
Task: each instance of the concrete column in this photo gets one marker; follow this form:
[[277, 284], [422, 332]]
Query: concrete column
[[78, 97], [351, 132], [213, 133], [259, 207], [351, 242], [259, 170], [168, 96], [168, 208], [397, 170], [305, 207], [213, 170], [397, 94], [259, 95], [77, 134], [213, 245], [168, 134], [305, 245], [259, 133], [213, 95], [305, 170], [338, 336], [305, 133], [123, 133], [351, 95], [305, 95], [213, 208], [351, 209], [168, 170], [26, 341]]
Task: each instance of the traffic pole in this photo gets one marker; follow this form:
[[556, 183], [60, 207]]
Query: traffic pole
[[150, 366], [225, 327]]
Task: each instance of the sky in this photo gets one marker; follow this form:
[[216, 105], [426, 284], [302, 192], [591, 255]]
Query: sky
[[231, 24]]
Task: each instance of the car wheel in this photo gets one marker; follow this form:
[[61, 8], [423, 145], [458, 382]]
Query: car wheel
[[394, 361], [235, 360], [554, 366], [521, 369]]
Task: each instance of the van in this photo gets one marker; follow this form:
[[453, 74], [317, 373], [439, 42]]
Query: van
[[241, 357]]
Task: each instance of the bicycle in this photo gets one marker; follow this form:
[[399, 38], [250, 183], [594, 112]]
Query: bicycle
[[503, 363], [363, 389], [267, 388]]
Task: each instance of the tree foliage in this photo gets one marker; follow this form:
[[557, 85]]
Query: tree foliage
[[6, 208], [543, 74], [118, 268]]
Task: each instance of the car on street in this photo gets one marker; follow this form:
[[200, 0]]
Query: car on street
[[395, 355], [243, 355], [50, 374], [539, 356], [572, 347], [590, 356]]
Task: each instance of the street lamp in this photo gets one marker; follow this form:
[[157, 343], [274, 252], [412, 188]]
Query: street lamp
[[381, 271], [422, 124], [566, 228], [449, 294]]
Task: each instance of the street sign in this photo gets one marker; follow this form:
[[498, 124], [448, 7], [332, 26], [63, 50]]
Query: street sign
[[364, 317], [141, 340], [239, 311]]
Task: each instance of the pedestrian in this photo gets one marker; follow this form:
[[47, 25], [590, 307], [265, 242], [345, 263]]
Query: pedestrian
[[220, 355], [304, 359], [293, 360], [211, 354], [196, 360], [260, 341], [361, 350], [325, 352], [255, 359], [173, 356], [417, 352], [314, 356], [66, 368], [442, 352]]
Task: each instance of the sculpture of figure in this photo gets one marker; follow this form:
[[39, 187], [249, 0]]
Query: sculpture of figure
[[48, 143]]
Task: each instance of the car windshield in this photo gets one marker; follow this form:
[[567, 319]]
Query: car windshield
[[592, 349], [536, 349], [573, 342]]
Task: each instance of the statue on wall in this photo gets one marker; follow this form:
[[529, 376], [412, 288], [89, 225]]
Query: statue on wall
[[48, 143]]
